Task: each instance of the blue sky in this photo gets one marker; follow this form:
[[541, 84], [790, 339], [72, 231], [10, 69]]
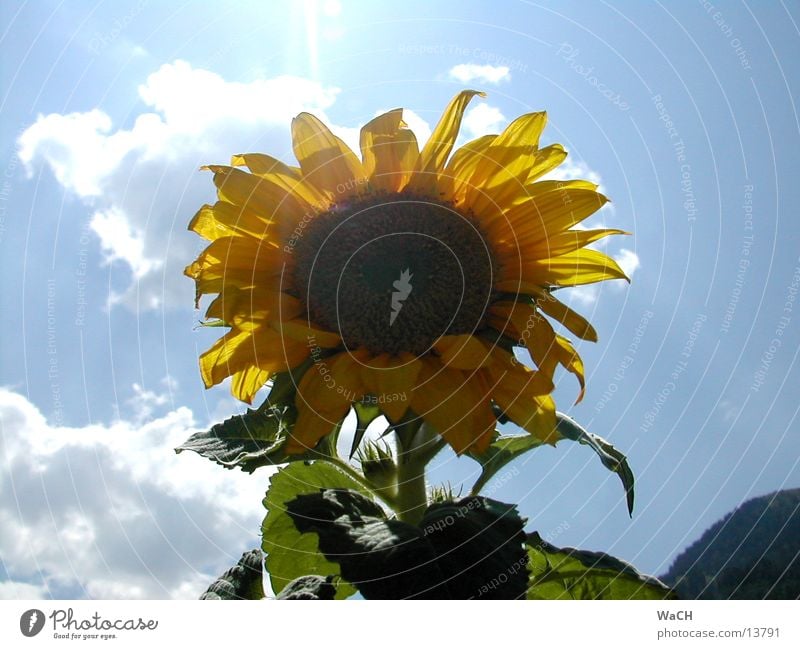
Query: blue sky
[[684, 112]]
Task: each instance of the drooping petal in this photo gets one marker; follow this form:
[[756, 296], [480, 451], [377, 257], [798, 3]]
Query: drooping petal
[[456, 404], [463, 351], [551, 306], [326, 161], [390, 379], [560, 312], [510, 374], [534, 413], [324, 396], [247, 382], [312, 425], [389, 150], [228, 355]]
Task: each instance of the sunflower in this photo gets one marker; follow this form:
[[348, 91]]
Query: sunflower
[[404, 279]]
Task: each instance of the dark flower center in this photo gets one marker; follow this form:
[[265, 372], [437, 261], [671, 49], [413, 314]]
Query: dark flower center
[[393, 273]]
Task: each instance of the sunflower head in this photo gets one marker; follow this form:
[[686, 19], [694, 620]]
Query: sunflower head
[[404, 279]]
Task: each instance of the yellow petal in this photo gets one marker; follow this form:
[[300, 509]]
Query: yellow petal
[[228, 355], [301, 330], [546, 186], [531, 330], [521, 322], [271, 196], [504, 170], [437, 149], [264, 165], [456, 181], [542, 215], [553, 307], [238, 306], [564, 242], [508, 373], [329, 383], [573, 269], [239, 262], [463, 351], [311, 426], [246, 383], [390, 379], [456, 404], [225, 219], [559, 311], [389, 150], [546, 159], [237, 350], [326, 161], [571, 360], [534, 413]]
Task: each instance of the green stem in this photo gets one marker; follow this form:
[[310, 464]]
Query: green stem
[[412, 493], [413, 454]]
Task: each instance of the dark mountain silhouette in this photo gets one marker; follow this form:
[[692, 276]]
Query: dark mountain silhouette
[[752, 553]]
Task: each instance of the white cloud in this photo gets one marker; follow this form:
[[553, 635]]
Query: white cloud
[[21, 590], [483, 119], [141, 183], [468, 72], [110, 511], [628, 261], [120, 242]]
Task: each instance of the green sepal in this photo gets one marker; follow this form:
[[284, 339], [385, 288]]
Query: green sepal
[[365, 414]]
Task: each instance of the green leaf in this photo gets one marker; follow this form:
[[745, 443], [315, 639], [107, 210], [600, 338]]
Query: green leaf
[[291, 554], [472, 549], [243, 581], [365, 415], [258, 437], [384, 559], [480, 544], [501, 451], [611, 458], [248, 441], [566, 573], [310, 587]]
